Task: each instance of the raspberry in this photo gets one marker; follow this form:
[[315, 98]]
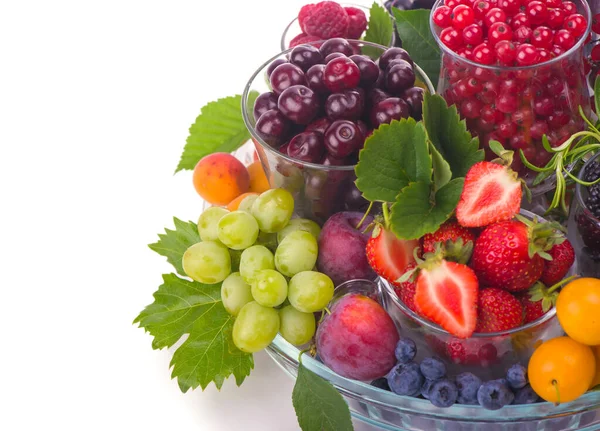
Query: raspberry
[[327, 20], [357, 23], [303, 38], [305, 12]]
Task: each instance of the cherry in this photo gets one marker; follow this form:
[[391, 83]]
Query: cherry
[[305, 56], [596, 23], [483, 54], [537, 12], [343, 138], [472, 34], [441, 16], [336, 44], [542, 37], [340, 74], [414, 98], [523, 34], [332, 56], [506, 129], [265, 102], [285, 75], [320, 125], [576, 24], [462, 16], [329, 160], [375, 96], [506, 52], [274, 64], [494, 15], [507, 103], [519, 20], [481, 8], [299, 103], [569, 7], [307, 146], [399, 76], [387, 110], [369, 71], [314, 76], [272, 127], [470, 108], [543, 106], [527, 55], [392, 54], [555, 19], [451, 38], [564, 39], [499, 31], [347, 105]]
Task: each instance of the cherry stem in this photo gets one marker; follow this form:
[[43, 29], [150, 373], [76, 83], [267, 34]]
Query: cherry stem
[[302, 352], [555, 384], [561, 283], [362, 220]]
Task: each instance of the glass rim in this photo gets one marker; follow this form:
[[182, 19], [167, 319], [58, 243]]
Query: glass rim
[[433, 28], [579, 188], [358, 6], [421, 75]]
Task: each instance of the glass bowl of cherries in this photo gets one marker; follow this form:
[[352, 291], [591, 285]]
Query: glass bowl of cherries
[[310, 109]]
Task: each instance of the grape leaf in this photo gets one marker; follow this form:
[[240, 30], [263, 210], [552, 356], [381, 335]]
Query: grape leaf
[[173, 243], [450, 136], [414, 31], [379, 30], [219, 128], [393, 156], [319, 407], [414, 214]]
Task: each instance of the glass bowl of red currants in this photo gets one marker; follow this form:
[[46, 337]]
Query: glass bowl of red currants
[[309, 110], [515, 70]]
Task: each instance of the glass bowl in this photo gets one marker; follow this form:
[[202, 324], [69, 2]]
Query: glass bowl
[[319, 190], [293, 28], [584, 229]]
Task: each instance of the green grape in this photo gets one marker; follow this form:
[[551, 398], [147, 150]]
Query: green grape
[[310, 291], [273, 209], [299, 224], [254, 259], [296, 327], [208, 262], [269, 240], [246, 203], [235, 293], [269, 288], [255, 327], [208, 223], [238, 230], [296, 253]]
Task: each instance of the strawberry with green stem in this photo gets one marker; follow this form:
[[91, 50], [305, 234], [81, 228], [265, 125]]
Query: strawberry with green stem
[[454, 240], [539, 299]]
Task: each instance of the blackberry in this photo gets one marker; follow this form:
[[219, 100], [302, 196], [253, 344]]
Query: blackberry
[[592, 172], [593, 199]]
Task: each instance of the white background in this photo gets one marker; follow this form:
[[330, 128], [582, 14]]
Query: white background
[[96, 98]]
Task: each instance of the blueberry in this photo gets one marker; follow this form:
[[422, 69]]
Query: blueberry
[[433, 368], [405, 379], [467, 384], [406, 350], [494, 395], [526, 395], [516, 376], [381, 383], [427, 387], [443, 393]]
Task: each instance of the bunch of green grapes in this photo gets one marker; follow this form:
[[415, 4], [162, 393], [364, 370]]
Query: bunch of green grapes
[[271, 286]]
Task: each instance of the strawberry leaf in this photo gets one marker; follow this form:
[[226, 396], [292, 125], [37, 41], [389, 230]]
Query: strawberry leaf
[[173, 243], [379, 30], [319, 407], [415, 213], [219, 128], [442, 173], [449, 135], [393, 156]]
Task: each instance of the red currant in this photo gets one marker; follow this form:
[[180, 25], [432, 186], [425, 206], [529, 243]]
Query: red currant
[[595, 54], [520, 19], [499, 31], [523, 117], [470, 108], [537, 12], [543, 106], [483, 54], [462, 90], [523, 34], [506, 129], [480, 8], [507, 103], [576, 24], [587, 67], [518, 142], [509, 85], [484, 126], [506, 52], [555, 19], [452, 3], [564, 39], [553, 4], [494, 15], [451, 38], [554, 86], [527, 55], [511, 7], [483, 74], [465, 52], [596, 23], [474, 85], [558, 119], [556, 51], [542, 37], [473, 34], [491, 114], [538, 129], [544, 55], [569, 7], [462, 16], [489, 92], [441, 16]]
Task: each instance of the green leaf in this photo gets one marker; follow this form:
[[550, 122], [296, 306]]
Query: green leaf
[[173, 243], [414, 214], [442, 173], [414, 31], [219, 128], [379, 30], [597, 93], [393, 156], [318, 405], [450, 136]]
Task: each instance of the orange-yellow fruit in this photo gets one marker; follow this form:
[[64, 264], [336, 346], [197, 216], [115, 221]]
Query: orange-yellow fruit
[[219, 178], [561, 370], [596, 351], [234, 204], [258, 180], [578, 310]]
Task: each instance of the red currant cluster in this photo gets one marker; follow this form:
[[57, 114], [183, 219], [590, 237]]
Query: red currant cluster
[[509, 32]]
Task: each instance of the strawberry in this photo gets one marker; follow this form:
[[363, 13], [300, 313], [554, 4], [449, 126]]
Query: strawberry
[[455, 240], [531, 310], [509, 254], [491, 193], [406, 290], [498, 311], [389, 255], [563, 257], [447, 295]]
